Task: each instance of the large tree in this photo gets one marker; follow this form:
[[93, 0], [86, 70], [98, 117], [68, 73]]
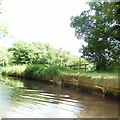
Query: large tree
[[5, 57], [100, 27], [3, 26], [39, 53]]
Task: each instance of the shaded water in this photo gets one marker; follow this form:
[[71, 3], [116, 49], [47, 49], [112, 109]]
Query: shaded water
[[33, 99]]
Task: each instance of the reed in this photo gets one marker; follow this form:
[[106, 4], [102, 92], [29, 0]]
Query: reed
[[15, 71]]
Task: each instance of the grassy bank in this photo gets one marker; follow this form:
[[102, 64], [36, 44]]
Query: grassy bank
[[102, 82], [52, 73]]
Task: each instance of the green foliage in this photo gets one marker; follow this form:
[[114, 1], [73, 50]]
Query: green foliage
[[22, 53], [39, 53], [89, 67], [3, 29], [61, 75], [1, 6], [52, 73], [3, 26], [37, 71], [5, 57], [15, 71], [34, 71], [100, 28]]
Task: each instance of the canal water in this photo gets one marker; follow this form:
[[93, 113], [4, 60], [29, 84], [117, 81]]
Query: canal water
[[33, 99]]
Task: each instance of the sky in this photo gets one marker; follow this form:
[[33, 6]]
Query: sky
[[45, 21]]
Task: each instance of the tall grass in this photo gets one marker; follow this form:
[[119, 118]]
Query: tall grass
[[57, 74], [96, 74], [36, 71], [51, 73], [15, 71]]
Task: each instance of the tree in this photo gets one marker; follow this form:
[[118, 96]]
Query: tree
[[22, 53], [39, 53], [5, 57], [3, 26], [100, 27]]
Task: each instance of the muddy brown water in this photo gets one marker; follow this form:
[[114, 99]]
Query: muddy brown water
[[34, 99]]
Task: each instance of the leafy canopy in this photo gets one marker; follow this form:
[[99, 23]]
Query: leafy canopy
[[100, 27], [40, 53], [3, 26]]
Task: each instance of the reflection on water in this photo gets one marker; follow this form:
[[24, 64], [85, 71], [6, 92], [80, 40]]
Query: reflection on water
[[33, 99]]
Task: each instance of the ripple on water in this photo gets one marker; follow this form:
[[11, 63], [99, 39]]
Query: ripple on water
[[46, 102]]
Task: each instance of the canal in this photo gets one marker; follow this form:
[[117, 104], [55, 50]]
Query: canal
[[33, 99]]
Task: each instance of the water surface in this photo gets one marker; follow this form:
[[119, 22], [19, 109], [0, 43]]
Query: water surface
[[34, 99]]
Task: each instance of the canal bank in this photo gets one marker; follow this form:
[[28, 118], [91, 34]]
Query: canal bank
[[97, 86], [85, 84], [96, 83]]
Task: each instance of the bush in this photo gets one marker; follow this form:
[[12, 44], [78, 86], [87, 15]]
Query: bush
[[43, 71]]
